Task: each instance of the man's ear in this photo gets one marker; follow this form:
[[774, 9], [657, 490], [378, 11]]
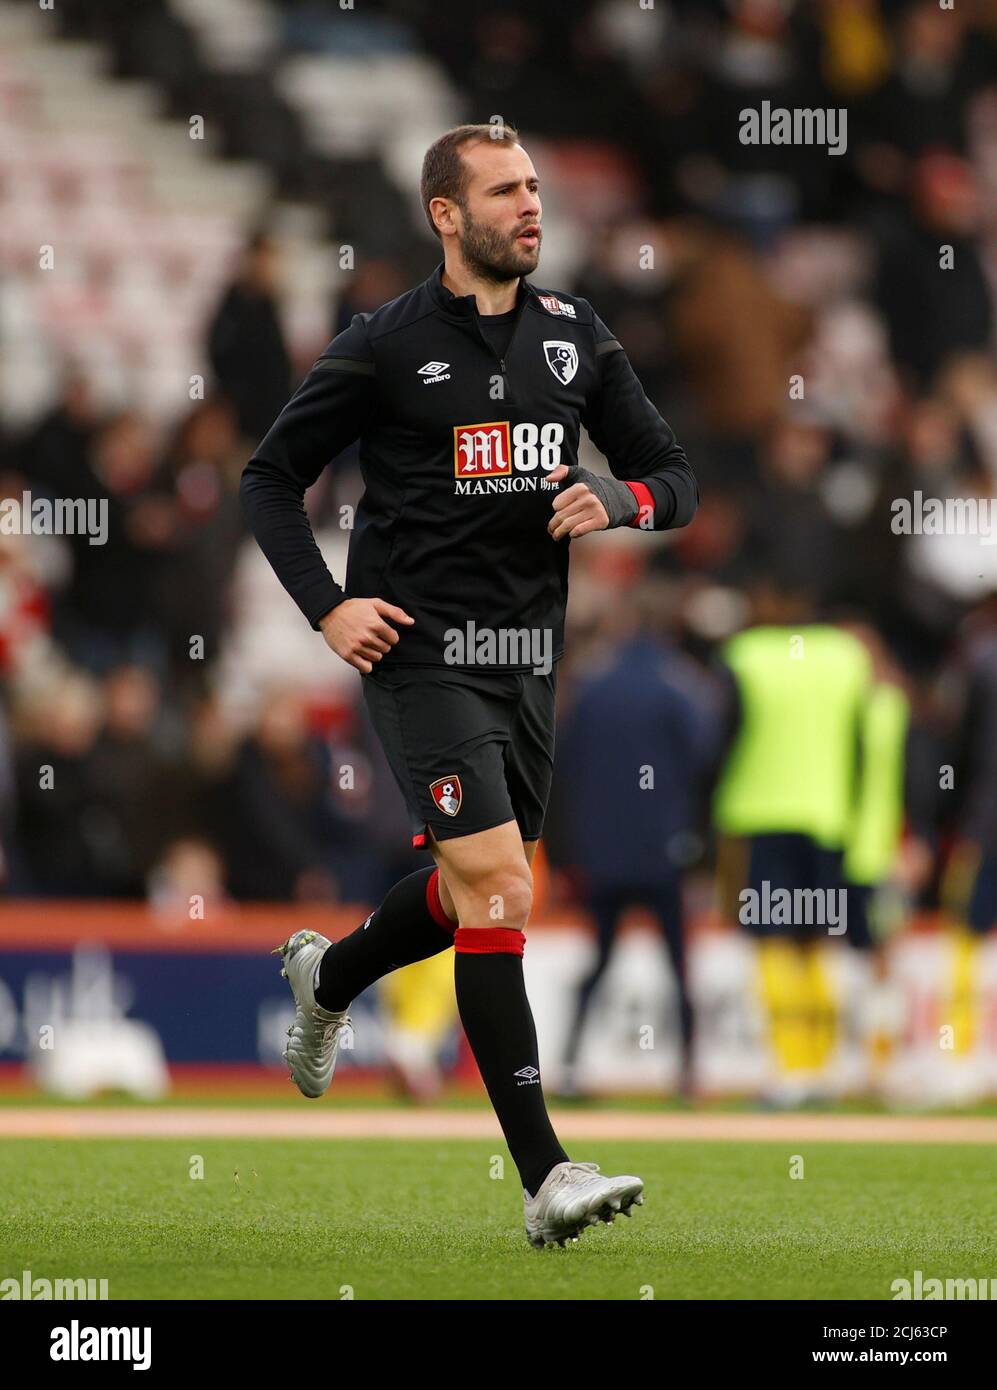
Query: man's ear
[[444, 214]]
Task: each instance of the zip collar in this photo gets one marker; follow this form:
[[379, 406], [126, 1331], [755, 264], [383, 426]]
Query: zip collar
[[464, 307]]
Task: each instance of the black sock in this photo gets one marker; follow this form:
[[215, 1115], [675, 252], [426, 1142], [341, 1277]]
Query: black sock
[[408, 926], [498, 1022]]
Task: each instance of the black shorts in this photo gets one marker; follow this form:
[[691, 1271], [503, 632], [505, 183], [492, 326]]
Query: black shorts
[[469, 751]]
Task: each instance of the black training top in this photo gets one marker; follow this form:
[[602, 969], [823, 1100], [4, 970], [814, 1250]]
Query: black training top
[[498, 330], [456, 442]]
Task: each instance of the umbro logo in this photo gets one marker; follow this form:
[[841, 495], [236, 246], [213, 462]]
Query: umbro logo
[[434, 371], [529, 1075]]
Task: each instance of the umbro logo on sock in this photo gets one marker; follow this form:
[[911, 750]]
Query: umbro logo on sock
[[530, 1076]]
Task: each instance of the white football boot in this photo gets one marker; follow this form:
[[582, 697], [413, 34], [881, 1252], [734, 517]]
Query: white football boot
[[314, 1035], [573, 1196]]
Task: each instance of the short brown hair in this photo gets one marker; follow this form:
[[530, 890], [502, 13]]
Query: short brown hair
[[444, 173]]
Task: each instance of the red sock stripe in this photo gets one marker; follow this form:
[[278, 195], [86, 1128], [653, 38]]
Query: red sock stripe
[[434, 903], [479, 941]]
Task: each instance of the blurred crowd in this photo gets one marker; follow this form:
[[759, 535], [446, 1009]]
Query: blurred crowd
[[170, 725]]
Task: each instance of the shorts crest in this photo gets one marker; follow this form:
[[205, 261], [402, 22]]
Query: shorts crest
[[447, 793]]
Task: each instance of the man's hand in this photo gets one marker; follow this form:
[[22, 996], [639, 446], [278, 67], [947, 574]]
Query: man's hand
[[357, 630], [591, 503]]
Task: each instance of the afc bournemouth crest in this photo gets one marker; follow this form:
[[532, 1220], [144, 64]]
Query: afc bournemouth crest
[[562, 359], [447, 794]]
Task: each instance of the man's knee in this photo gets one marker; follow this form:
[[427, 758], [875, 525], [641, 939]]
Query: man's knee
[[504, 896]]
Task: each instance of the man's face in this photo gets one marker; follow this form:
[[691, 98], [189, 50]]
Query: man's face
[[498, 226]]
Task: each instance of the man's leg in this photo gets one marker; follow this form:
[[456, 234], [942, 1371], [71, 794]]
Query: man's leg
[[664, 898], [415, 920], [606, 905], [490, 883]]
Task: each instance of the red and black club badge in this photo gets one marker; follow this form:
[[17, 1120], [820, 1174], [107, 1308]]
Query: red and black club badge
[[447, 793]]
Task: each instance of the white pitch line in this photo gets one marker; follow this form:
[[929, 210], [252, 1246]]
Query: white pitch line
[[330, 1122]]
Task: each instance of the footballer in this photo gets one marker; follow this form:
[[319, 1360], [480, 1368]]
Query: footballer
[[467, 395]]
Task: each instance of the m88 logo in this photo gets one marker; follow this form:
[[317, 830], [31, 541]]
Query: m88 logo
[[496, 448]]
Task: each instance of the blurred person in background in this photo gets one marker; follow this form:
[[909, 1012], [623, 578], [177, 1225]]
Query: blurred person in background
[[750, 51], [54, 452], [200, 478], [876, 862], [634, 293], [791, 528], [854, 46], [246, 344], [631, 803], [187, 880], [375, 280], [191, 790], [374, 848], [899, 579], [282, 822], [877, 820], [736, 338], [125, 772], [60, 828], [785, 801], [420, 1014], [974, 805], [106, 614], [25, 609], [923, 101], [952, 567], [968, 818], [969, 385], [931, 270]]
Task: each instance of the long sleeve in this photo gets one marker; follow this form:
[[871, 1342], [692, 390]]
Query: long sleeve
[[327, 413], [638, 444]]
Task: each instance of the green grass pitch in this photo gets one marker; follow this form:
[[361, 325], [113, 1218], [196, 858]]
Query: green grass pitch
[[425, 1220]]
